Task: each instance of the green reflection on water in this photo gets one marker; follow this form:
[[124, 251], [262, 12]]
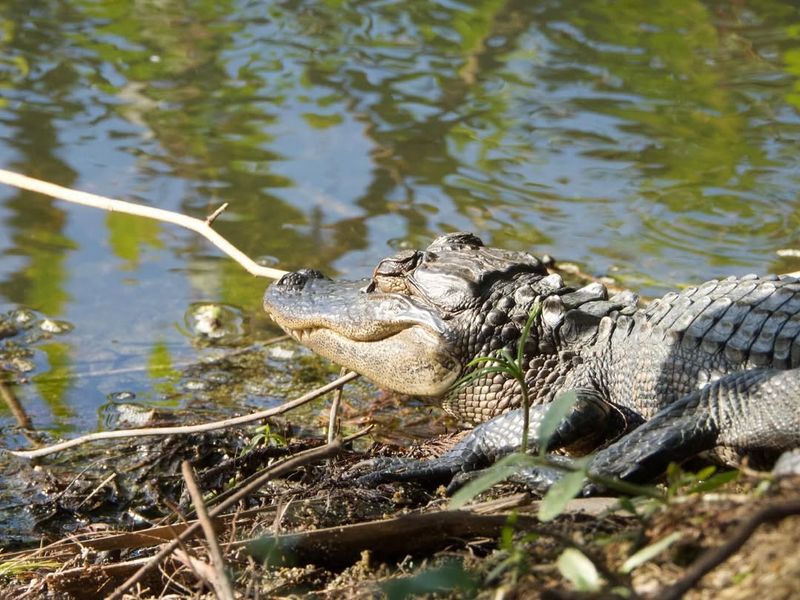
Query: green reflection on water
[[53, 384], [161, 371], [656, 138], [791, 58], [127, 236]]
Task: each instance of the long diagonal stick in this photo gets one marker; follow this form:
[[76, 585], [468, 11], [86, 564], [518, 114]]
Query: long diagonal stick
[[159, 214], [185, 429]]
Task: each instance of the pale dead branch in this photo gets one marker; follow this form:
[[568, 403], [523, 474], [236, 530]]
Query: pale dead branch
[[280, 468], [333, 416], [185, 429], [159, 214], [220, 581]]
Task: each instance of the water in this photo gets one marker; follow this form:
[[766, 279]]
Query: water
[[654, 142]]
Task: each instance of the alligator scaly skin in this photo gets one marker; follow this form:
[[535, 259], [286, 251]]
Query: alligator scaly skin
[[713, 367]]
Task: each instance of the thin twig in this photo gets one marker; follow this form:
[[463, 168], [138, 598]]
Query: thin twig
[[10, 398], [334, 412], [184, 429], [716, 556], [284, 466], [99, 487], [159, 214], [213, 216], [222, 584]]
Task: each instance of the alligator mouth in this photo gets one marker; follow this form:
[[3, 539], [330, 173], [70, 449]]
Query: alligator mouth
[[413, 360], [306, 334], [303, 334], [395, 340]]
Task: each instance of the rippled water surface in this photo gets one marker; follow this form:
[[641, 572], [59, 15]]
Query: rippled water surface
[[655, 142]]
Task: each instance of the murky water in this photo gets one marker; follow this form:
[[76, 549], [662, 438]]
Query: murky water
[[656, 142]]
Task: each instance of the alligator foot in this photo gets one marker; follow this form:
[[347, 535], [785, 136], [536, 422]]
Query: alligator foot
[[374, 471], [488, 442], [747, 409]]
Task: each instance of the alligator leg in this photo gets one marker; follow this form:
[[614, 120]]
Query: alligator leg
[[754, 409], [490, 441]]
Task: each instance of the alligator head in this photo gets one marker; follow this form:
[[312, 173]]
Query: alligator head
[[414, 326]]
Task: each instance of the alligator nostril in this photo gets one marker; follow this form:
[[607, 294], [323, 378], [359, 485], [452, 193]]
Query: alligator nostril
[[311, 274], [298, 279]]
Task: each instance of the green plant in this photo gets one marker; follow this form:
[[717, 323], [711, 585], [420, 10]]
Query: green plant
[[512, 366], [20, 566], [576, 471], [680, 482], [264, 436], [649, 552], [449, 577], [581, 572], [515, 556]]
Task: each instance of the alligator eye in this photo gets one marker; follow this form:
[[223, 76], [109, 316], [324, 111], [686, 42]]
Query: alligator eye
[[398, 265], [390, 285]]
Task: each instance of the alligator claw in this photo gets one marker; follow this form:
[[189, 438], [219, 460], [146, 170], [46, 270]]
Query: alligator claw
[[537, 479], [459, 480]]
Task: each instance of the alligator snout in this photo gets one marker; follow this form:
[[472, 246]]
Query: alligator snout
[[297, 280]]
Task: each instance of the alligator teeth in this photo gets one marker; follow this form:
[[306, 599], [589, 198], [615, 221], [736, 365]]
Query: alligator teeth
[[301, 335]]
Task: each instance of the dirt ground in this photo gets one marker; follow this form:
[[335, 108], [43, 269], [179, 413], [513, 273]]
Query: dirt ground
[[328, 538]]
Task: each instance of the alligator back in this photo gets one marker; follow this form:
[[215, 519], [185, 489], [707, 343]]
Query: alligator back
[[745, 322], [686, 340]]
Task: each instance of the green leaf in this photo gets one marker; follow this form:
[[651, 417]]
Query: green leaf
[[626, 504], [705, 473], [649, 552], [714, 482], [507, 357], [21, 566], [480, 359], [580, 571], [499, 471], [560, 493], [271, 551], [556, 412], [501, 567], [449, 577], [526, 331]]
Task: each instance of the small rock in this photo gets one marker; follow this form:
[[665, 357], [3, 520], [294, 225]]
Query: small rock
[[280, 353], [22, 365], [53, 326], [22, 316]]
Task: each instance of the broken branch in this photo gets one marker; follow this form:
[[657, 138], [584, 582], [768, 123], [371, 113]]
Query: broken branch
[[185, 429], [221, 583], [716, 556], [159, 214], [285, 466]]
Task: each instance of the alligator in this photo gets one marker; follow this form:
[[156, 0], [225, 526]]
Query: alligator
[[710, 369]]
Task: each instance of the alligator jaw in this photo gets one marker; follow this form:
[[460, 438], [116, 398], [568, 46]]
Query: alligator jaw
[[427, 368], [389, 338]]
